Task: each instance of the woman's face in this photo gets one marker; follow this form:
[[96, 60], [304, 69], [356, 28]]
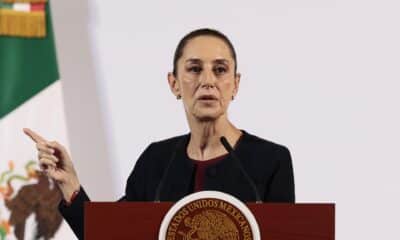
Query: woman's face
[[205, 78]]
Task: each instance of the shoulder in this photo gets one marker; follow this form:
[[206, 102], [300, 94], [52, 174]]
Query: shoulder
[[160, 151], [157, 154], [262, 152], [259, 144], [263, 158], [168, 144]]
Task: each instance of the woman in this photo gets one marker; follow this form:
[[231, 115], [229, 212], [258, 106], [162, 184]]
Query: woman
[[204, 77]]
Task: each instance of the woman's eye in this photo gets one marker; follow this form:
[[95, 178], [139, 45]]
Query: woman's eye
[[220, 70], [195, 69]]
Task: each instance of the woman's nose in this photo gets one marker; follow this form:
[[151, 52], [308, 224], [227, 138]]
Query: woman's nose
[[207, 79]]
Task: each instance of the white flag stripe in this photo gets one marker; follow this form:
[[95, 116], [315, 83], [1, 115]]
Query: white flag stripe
[[45, 114], [23, 7]]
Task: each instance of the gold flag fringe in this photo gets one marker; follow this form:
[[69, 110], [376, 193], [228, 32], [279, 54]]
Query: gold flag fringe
[[23, 1], [22, 24]]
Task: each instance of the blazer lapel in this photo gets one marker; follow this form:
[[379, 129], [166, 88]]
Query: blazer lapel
[[177, 182]]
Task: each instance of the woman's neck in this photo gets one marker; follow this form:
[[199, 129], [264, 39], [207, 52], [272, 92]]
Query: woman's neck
[[205, 138]]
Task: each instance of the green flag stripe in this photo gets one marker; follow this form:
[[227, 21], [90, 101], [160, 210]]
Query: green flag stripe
[[5, 5], [27, 66]]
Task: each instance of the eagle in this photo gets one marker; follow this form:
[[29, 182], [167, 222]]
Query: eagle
[[40, 199]]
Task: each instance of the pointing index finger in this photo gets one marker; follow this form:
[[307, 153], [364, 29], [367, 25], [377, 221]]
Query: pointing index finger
[[34, 136]]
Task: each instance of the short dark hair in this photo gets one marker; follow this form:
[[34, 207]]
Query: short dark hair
[[202, 32]]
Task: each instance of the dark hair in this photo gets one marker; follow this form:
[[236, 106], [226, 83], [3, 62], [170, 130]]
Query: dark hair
[[201, 32]]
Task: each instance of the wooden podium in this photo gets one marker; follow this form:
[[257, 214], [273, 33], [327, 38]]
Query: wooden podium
[[142, 220]]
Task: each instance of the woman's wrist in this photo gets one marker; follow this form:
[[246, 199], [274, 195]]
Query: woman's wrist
[[70, 192]]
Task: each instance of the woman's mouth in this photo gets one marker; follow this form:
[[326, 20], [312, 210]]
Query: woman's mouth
[[207, 98]]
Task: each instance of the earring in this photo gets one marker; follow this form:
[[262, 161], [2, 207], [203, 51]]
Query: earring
[[233, 97], [178, 97]]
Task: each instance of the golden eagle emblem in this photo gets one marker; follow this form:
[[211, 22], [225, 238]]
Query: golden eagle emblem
[[210, 225]]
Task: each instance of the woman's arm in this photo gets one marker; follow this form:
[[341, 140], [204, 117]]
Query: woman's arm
[[56, 163], [73, 212]]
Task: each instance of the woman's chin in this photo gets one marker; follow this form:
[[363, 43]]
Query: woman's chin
[[207, 115]]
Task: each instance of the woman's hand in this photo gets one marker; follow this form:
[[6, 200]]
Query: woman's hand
[[56, 163]]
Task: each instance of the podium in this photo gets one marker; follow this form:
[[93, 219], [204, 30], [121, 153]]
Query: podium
[[142, 220]]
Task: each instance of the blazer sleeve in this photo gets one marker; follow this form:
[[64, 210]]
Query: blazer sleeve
[[281, 188], [74, 213]]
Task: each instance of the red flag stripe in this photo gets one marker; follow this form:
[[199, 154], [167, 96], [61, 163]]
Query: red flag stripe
[[37, 7]]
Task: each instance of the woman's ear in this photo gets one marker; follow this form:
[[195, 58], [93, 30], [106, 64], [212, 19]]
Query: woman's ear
[[173, 84], [236, 85]]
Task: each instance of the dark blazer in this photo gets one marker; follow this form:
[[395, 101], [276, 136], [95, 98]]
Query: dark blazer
[[268, 164]]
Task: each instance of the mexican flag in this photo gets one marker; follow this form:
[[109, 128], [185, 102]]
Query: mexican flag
[[30, 96]]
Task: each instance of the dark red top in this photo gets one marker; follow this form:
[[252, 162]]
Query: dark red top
[[201, 167]]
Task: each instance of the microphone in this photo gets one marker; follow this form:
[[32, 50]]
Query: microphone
[[235, 158]]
